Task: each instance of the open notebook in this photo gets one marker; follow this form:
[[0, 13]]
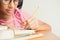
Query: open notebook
[[10, 34], [27, 36]]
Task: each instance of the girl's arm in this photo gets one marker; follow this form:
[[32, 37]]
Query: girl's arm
[[38, 26]]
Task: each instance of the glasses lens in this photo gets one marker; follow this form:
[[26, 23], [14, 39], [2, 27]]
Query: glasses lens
[[16, 1], [6, 1]]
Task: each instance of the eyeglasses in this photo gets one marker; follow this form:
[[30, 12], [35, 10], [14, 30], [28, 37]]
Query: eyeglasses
[[9, 1]]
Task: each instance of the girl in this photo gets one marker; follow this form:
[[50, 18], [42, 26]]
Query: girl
[[14, 18]]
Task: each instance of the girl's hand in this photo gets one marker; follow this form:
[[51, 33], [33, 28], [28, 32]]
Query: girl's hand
[[39, 26], [10, 26]]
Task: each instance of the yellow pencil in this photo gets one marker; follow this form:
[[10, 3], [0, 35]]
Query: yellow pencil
[[33, 15]]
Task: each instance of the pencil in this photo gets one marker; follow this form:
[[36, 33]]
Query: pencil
[[33, 15]]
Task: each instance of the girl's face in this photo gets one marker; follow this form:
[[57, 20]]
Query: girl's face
[[9, 5]]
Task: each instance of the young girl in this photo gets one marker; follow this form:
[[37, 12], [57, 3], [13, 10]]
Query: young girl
[[14, 18]]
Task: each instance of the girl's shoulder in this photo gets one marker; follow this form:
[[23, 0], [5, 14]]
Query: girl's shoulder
[[24, 15]]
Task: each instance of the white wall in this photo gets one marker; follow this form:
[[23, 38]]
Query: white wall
[[49, 12]]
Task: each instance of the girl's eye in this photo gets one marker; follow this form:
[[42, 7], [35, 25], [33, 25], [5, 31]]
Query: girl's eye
[[16, 1], [6, 1]]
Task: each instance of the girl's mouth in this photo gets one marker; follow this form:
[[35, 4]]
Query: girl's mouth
[[10, 11]]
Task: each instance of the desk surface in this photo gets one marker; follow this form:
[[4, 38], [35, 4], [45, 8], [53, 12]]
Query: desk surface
[[47, 36]]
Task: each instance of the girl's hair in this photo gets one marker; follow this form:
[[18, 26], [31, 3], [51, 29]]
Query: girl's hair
[[20, 3], [0, 3], [3, 14]]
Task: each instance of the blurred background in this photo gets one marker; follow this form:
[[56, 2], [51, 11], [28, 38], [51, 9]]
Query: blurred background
[[47, 11]]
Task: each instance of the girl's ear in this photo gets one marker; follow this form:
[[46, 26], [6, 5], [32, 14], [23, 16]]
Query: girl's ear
[[20, 3]]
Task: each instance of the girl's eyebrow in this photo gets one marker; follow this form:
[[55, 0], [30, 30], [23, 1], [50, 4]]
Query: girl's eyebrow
[[16, 0]]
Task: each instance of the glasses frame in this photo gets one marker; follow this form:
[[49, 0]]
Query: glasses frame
[[8, 2]]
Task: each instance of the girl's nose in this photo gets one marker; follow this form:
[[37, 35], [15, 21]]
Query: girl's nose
[[11, 4]]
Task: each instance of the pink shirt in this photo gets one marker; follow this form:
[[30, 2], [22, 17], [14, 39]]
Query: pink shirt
[[18, 17]]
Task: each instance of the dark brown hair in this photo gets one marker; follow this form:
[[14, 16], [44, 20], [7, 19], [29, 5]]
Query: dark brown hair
[[20, 3], [3, 14]]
